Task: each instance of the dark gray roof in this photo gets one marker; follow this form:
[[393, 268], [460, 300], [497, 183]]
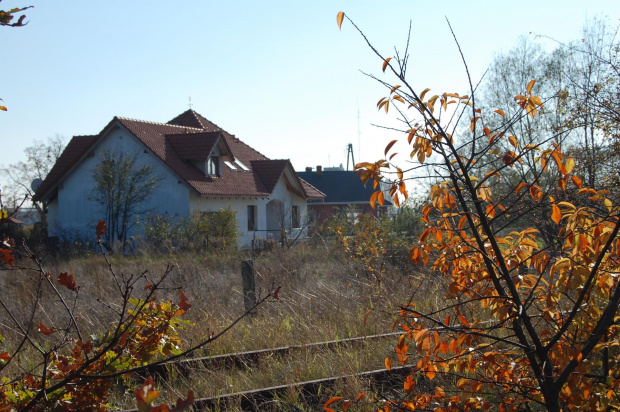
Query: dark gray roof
[[340, 186]]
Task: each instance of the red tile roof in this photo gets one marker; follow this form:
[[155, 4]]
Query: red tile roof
[[186, 138]]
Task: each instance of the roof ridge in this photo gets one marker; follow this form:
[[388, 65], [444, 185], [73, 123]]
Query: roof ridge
[[159, 123]]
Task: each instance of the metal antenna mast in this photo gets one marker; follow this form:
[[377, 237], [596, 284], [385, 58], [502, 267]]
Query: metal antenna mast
[[350, 155], [359, 133]]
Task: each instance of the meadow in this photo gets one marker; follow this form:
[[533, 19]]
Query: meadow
[[326, 293]]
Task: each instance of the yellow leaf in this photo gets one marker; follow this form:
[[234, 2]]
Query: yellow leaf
[[569, 164], [385, 63], [536, 100], [339, 19]]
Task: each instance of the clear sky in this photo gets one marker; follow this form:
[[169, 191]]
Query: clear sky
[[277, 74]]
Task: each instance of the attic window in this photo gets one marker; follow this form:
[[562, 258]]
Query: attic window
[[229, 164], [213, 166], [242, 166]]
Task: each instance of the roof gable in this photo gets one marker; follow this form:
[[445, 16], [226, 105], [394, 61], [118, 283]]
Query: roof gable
[[194, 146], [75, 150]]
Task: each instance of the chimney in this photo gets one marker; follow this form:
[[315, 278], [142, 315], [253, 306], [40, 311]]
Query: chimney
[[308, 169], [319, 170]]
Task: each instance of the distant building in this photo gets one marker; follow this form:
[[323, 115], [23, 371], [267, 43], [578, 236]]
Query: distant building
[[344, 192]]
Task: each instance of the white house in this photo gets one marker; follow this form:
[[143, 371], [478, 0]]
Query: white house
[[200, 166]]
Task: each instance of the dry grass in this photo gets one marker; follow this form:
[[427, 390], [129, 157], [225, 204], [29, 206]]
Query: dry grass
[[323, 297]]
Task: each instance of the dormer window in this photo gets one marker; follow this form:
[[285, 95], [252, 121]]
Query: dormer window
[[213, 166]]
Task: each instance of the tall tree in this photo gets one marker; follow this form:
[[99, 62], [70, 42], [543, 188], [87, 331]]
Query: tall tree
[[121, 188], [40, 158], [593, 94], [522, 326]]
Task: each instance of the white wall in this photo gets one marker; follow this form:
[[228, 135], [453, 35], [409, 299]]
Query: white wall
[[239, 207], [77, 215]]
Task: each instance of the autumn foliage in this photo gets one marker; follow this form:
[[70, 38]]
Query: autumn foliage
[[525, 323]]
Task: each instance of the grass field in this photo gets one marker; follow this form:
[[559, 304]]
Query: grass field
[[324, 296]]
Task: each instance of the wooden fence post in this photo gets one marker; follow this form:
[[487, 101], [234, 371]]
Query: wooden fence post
[[249, 286]]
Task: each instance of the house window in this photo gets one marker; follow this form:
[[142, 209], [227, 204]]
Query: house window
[[251, 218], [213, 166], [295, 217]]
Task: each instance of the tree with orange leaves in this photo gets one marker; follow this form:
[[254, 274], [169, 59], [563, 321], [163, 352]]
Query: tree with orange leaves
[[525, 324]]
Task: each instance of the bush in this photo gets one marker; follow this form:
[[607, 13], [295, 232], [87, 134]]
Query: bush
[[201, 231]]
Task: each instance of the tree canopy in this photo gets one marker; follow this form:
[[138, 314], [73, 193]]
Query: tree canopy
[[528, 318]]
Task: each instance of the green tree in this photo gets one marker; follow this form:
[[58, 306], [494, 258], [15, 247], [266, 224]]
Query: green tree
[[121, 187]]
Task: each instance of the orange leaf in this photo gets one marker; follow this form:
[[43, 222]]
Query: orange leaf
[[339, 19], [500, 112], [360, 396], [528, 89], [332, 400], [4, 356], [463, 320], [388, 364], [576, 181], [424, 93], [430, 371], [393, 89], [389, 146], [3, 108], [556, 214], [373, 199], [409, 384], [520, 187], [385, 63], [513, 141]]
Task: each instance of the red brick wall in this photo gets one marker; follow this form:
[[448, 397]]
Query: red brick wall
[[324, 212]]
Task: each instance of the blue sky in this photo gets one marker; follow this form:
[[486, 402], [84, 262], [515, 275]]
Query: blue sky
[[277, 74]]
